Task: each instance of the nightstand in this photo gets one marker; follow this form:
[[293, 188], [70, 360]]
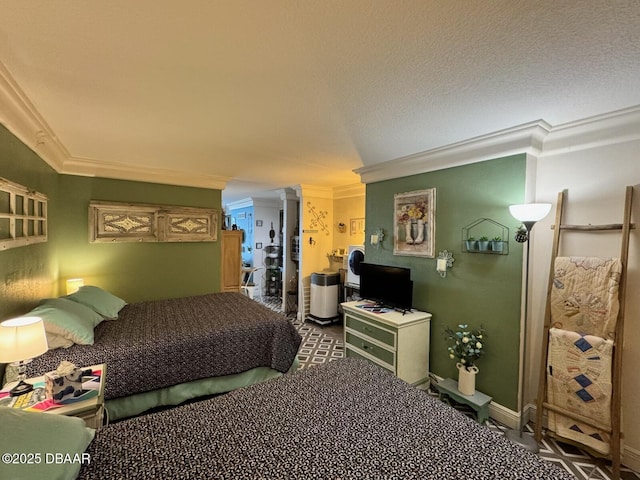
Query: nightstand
[[90, 410]]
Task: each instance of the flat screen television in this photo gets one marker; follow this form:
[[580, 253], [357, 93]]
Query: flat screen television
[[386, 285]]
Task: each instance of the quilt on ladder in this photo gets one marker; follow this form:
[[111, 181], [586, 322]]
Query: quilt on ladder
[[584, 295], [579, 380]]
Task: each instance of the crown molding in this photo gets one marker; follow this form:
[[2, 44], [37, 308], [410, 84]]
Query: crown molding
[[254, 202], [526, 138], [288, 193], [349, 191], [267, 202], [615, 127], [22, 119], [244, 203], [314, 191], [91, 168]]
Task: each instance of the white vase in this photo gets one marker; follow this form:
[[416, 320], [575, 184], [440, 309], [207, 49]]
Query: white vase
[[467, 379], [420, 238], [408, 234]]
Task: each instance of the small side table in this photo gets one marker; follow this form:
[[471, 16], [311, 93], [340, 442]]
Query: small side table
[[479, 402], [90, 410]]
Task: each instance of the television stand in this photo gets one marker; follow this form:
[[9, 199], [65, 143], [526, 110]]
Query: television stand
[[398, 342]]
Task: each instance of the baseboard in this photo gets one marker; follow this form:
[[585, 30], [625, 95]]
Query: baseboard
[[504, 415], [631, 458]]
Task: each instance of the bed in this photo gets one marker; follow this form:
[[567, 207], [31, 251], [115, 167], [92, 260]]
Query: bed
[[345, 419], [167, 351]]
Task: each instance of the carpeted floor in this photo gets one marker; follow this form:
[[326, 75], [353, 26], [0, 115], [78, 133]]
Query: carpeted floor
[[321, 344]]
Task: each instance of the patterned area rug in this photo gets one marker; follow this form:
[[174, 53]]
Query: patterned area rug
[[318, 347]]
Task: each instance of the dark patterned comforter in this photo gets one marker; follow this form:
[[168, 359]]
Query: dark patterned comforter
[[162, 343], [346, 419]]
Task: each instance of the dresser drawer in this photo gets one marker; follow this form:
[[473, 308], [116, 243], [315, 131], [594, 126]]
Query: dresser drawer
[[349, 352], [372, 349], [384, 336]]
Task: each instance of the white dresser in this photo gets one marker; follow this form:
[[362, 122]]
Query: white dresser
[[395, 341]]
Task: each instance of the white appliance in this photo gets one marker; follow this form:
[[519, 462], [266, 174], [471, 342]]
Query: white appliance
[[323, 308], [355, 256]]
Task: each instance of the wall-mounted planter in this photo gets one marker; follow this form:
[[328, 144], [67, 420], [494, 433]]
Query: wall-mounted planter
[[485, 236], [471, 245], [497, 246]]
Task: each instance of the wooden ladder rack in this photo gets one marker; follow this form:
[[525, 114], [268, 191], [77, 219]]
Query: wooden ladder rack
[[542, 405]]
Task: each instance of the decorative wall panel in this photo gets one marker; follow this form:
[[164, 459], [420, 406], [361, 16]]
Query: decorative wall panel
[[23, 215], [130, 222]]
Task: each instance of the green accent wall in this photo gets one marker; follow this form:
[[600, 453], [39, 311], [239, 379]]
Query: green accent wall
[[480, 289], [27, 273], [133, 271]]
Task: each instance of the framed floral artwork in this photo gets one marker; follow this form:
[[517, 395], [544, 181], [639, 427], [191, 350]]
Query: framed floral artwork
[[414, 223]]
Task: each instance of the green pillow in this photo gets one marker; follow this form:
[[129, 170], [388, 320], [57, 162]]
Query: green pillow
[[101, 301], [64, 326], [74, 308], [55, 444]]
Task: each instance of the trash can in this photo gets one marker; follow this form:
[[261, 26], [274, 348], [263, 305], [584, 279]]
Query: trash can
[[323, 303]]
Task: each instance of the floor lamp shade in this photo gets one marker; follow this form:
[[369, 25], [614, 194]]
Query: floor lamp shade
[[22, 338], [530, 212]]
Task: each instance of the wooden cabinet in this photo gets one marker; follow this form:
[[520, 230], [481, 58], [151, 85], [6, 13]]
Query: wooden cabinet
[[231, 261], [395, 341]]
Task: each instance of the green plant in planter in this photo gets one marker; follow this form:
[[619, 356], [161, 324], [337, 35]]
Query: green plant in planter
[[483, 243], [471, 244], [466, 346], [496, 244]]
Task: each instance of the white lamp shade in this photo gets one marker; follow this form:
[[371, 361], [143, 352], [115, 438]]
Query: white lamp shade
[[530, 212], [74, 284], [22, 338]]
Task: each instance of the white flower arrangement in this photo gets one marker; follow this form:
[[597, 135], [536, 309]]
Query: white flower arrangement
[[466, 346]]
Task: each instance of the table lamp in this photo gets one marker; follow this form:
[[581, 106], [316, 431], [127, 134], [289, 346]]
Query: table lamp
[[22, 339], [74, 284]]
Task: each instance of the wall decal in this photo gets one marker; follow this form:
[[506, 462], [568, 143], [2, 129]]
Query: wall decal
[[319, 218]]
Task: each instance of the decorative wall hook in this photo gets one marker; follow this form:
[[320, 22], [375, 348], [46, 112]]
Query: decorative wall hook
[[445, 260]]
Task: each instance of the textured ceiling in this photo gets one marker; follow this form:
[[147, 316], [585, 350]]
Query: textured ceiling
[[275, 93]]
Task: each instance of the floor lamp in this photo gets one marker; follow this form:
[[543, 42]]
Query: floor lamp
[[528, 214]]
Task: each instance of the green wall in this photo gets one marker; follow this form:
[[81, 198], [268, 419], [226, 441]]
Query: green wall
[[480, 289], [26, 273], [134, 271]]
